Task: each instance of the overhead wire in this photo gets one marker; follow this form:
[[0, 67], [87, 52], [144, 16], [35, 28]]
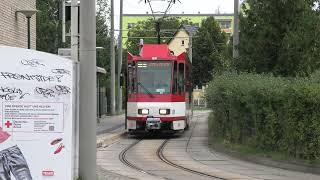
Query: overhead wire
[[168, 8], [151, 10]]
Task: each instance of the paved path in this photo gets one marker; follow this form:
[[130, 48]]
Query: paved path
[[110, 127], [110, 123]]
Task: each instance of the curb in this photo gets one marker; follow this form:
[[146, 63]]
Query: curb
[[292, 166], [109, 139]]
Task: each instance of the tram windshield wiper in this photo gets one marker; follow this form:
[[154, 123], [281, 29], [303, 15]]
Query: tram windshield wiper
[[145, 89]]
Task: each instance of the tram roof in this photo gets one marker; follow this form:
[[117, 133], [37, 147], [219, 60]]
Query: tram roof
[[157, 52]]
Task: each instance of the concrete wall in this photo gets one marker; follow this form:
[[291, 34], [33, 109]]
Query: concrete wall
[[13, 30]]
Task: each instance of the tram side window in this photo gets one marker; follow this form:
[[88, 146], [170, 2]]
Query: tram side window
[[131, 78], [174, 87], [181, 80]]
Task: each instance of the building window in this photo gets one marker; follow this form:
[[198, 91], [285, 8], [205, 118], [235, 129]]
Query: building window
[[182, 43], [225, 24], [131, 25]]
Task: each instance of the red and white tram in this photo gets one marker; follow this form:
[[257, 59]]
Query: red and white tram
[[159, 92]]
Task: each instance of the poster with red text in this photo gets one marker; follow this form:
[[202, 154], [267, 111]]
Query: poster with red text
[[36, 115]]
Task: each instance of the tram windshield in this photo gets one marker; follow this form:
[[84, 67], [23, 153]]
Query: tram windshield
[[154, 77]]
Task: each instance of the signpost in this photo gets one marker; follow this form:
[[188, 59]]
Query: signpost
[[37, 114]]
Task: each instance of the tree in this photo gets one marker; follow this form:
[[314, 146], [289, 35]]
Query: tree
[[103, 39], [209, 51], [300, 48], [168, 27], [48, 26], [280, 37]]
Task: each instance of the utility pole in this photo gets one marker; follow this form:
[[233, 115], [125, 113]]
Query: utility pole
[[120, 60], [29, 38], [74, 31], [190, 47], [113, 78], [74, 56], [88, 90], [158, 30], [63, 21], [236, 29]]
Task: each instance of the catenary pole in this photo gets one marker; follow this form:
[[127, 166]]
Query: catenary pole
[[74, 57], [113, 78], [190, 46], [29, 38], [74, 31], [63, 21], [236, 29], [88, 89], [120, 60]]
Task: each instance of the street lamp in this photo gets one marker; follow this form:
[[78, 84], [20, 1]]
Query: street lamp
[[28, 14]]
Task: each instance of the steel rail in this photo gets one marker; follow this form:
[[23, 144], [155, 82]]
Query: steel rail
[[165, 160], [123, 159]]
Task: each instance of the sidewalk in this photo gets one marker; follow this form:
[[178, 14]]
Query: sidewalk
[[110, 123], [108, 130]]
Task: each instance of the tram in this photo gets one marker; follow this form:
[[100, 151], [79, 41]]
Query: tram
[[159, 90]]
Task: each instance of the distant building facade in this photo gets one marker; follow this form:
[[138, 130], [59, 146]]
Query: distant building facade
[[13, 27], [225, 21]]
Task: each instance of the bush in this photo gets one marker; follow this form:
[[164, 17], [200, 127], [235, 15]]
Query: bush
[[267, 112]]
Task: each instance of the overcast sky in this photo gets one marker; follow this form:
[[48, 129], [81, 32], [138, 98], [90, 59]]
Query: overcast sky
[[186, 6]]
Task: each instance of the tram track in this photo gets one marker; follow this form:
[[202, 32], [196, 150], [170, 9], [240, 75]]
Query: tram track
[[161, 156], [165, 160], [123, 159]]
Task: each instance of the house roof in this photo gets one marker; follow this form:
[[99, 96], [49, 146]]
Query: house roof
[[191, 29]]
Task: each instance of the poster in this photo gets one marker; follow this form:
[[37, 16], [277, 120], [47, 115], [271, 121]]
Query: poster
[[36, 115]]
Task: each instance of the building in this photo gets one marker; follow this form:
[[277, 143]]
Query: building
[[13, 25], [225, 21], [181, 39]]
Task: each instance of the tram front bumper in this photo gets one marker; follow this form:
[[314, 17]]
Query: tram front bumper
[[155, 123]]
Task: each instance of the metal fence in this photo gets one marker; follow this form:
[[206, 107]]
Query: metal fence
[[101, 102], [200, 102]]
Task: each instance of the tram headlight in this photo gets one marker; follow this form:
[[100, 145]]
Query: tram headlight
[[143, 111], [164, 111]]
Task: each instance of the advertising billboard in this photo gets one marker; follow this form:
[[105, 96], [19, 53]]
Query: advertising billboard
[[36, 111]]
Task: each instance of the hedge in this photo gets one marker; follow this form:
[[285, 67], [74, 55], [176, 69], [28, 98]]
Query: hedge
[[267, 112]]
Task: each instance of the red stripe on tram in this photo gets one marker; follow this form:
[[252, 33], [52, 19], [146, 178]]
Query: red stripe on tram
[[156, 98], [161, 118]]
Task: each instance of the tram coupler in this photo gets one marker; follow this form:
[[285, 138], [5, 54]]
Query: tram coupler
[[153, 123]]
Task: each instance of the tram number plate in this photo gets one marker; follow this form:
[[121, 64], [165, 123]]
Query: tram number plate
[[153, 120], [153, 123]]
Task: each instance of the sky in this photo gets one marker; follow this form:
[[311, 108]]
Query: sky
[[186, 7]]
